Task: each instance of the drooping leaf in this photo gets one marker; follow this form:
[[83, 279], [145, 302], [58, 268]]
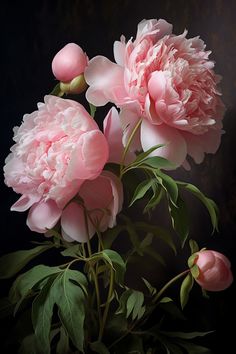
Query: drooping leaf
[[71, 302], [180, 220], [158, 162], [63, 346], [12, 263], [209, 203], [186, 335], [99, 347], [155, 199], [42, 311], [116, 261], [185, 289], [142, 189], [25, 282], [169, 185]]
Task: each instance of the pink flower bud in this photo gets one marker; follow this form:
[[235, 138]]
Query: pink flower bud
[[214, 270], [69, 62]]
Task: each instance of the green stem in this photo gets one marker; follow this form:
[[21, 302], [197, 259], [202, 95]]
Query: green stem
[[110, 292], [167, 285], [128, 146]]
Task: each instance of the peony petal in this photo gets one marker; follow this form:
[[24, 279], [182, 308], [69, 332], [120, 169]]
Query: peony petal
[[25, 202], [43, 216], [119, 52], [105, 79], [157, 85], [73, 223], [175, 147]]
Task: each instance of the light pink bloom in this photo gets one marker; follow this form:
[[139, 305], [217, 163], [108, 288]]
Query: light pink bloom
[[112, 127], [214, 270], [57, 149], [69, 62], [103, 198], [167, 80]]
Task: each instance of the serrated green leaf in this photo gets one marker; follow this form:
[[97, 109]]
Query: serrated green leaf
[[185, 289], [141, 190], [12, 263], [169, 184], [42, 311], [209, 203], [71, 302], [180, 220], [99, 347], [24, 283], [63, 346], [158, 162]]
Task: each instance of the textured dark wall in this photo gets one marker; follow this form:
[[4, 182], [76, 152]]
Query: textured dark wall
[[33, 31]]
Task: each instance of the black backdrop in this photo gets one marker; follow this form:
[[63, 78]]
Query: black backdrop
[[33, 31]]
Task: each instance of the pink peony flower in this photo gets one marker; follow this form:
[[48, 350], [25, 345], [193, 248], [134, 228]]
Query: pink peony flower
[[103, 198], [69, 62], [214, 270], [113, 132], [169, 82], [57, 149]]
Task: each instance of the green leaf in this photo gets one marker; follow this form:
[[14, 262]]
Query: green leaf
[[24, 283], [12, 263], [185, 289], [180, 220], [28, 345], [186, 335], [117, 263], [143, 155], [157, 231], [92, 109], [99, 347], [155, 199], [158, 162], [151, 289], [63, 346], [42, 311], [57, 91], [135, 305], [192, 348], [195, 271], [169, 185], [191, 259], [193, 246], [71, 301], [141, 190], [209, 203], [72, 251]]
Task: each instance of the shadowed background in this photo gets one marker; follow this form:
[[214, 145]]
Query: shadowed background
[[33, 32]]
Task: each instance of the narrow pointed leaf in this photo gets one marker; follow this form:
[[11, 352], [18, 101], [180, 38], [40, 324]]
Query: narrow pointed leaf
[[185, 289], [180, 220], [12, 263], [141, 190]]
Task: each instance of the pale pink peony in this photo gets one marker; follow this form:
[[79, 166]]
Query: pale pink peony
[[102, 201], [57, 149], [214, 270], [169, 82], [113, 132], [69, 62]]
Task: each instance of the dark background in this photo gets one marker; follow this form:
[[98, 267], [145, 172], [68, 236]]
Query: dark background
[[32, 33]]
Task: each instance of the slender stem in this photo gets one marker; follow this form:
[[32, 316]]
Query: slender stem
[[107, 305], [126, 149], [100, 244], [167, 285]]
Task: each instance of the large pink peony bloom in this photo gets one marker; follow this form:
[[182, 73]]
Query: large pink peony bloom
[[214, 270], [57, 149], [167, 80], [102, 201]]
